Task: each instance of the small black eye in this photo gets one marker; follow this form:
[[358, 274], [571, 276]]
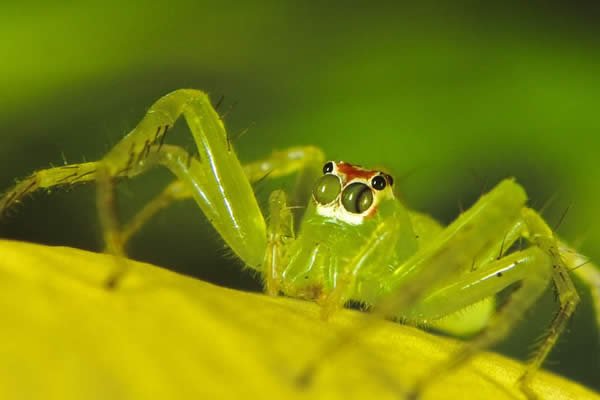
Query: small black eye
[[378, 182], [389, 179], [328, 167]]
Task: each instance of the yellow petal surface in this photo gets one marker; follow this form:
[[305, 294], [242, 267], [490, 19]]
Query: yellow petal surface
[[167, 336]]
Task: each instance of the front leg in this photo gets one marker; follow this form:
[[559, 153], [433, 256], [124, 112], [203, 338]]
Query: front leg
[[215, 177], [306, 161]]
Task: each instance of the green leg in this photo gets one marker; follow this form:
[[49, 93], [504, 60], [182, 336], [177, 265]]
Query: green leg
[[378, 243], [280, 232], [532, 267], [542, 236], [374, 251], [475, 235], [175, 191], [109, 221], [303, 160], [474, 318], [45, 179], [587, 272], [216, 179], [306, 161]]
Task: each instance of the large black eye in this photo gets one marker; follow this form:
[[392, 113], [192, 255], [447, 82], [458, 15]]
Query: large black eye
[[357, 198], [327, 189], [328, 167], [378, 182]]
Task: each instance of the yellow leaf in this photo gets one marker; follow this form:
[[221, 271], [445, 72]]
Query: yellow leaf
[[167, 336]]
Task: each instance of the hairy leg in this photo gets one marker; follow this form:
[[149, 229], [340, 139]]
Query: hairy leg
[[216, 179], [587, 272], [543, 237], [67, 175], [306, 161]]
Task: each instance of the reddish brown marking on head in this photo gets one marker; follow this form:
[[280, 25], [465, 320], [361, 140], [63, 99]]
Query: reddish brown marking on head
[[352, 171]]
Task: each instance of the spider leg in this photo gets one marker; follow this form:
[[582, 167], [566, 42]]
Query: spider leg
[[47, 178], [306, 161], [280, 232], [587, 272], [457, 320], [531, 267], [534, 268], [543, 237], [109, 221], [371, 253], [216, 178], [175, 191], [475, 235]]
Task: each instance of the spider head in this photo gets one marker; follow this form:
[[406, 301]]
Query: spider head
[[350, 193]]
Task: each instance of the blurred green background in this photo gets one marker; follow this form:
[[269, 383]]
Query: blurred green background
[[450, 97]]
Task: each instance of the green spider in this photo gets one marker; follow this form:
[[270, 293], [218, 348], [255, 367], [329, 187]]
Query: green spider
[[355, 242]]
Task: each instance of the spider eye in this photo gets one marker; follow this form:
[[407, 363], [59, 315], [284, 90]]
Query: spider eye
[[389, 179], [357, 198], [378, 182], [327, 189], [328, 167]]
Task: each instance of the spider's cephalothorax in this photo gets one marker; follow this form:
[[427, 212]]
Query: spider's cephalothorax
[[348, 205]]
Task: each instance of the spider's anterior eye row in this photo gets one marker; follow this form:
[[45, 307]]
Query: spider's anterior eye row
[[378, 182], [356, 197]]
